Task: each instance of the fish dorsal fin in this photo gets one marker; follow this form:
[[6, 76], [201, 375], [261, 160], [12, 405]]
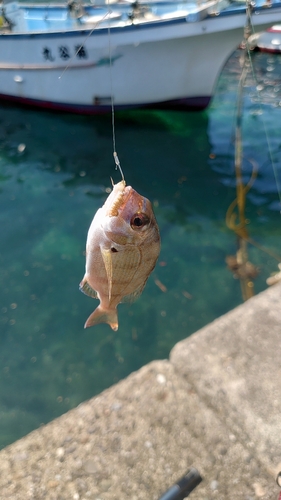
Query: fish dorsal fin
[[107, 259], [133, 296], [87, 289]]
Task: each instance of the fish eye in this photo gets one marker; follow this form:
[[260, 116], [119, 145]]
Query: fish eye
[[138, 221]]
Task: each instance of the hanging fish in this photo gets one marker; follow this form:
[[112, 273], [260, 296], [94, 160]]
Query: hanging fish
[[122, 248]]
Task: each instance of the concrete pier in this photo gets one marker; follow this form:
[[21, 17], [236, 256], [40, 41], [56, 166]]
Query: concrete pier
[[215, 405]]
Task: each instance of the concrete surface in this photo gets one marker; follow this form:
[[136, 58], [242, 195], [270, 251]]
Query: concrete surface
[[215, 405]]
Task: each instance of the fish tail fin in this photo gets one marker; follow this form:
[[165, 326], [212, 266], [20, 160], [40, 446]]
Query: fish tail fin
[[101, 315]]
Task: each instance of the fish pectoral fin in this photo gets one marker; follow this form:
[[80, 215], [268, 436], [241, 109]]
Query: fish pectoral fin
[[87, 289], [133, 296], [101, 315], [107, 260]]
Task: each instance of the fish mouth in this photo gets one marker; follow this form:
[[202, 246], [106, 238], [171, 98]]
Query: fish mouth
[[127, 206], [124, 199], [116, 199]]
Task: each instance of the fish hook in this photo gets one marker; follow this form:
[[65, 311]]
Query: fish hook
[[118, 166]]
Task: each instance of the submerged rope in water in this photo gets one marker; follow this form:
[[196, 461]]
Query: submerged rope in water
[[247, 286], [241, 259]]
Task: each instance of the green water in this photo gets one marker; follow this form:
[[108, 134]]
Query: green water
[[50, 189]]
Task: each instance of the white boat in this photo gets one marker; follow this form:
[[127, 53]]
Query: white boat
[[159, 54]]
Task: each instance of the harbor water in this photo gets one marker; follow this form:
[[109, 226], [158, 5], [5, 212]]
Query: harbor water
[[55, 172]]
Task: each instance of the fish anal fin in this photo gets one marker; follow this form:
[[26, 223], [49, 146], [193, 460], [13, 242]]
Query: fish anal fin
[[101, 315], [133, 296], [87, 289]]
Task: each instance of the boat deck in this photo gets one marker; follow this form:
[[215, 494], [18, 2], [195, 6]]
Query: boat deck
[[58, 17]]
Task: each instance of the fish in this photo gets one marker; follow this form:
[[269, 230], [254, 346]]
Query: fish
[[122, 248]]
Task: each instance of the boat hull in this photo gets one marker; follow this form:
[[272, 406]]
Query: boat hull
[[188, 104]]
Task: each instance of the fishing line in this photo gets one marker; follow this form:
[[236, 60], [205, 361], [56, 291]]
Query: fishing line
[[115, 156], [82, 44], [107, 14]]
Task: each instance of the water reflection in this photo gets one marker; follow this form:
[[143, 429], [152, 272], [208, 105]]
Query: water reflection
[[260, 128], [255, 169]]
